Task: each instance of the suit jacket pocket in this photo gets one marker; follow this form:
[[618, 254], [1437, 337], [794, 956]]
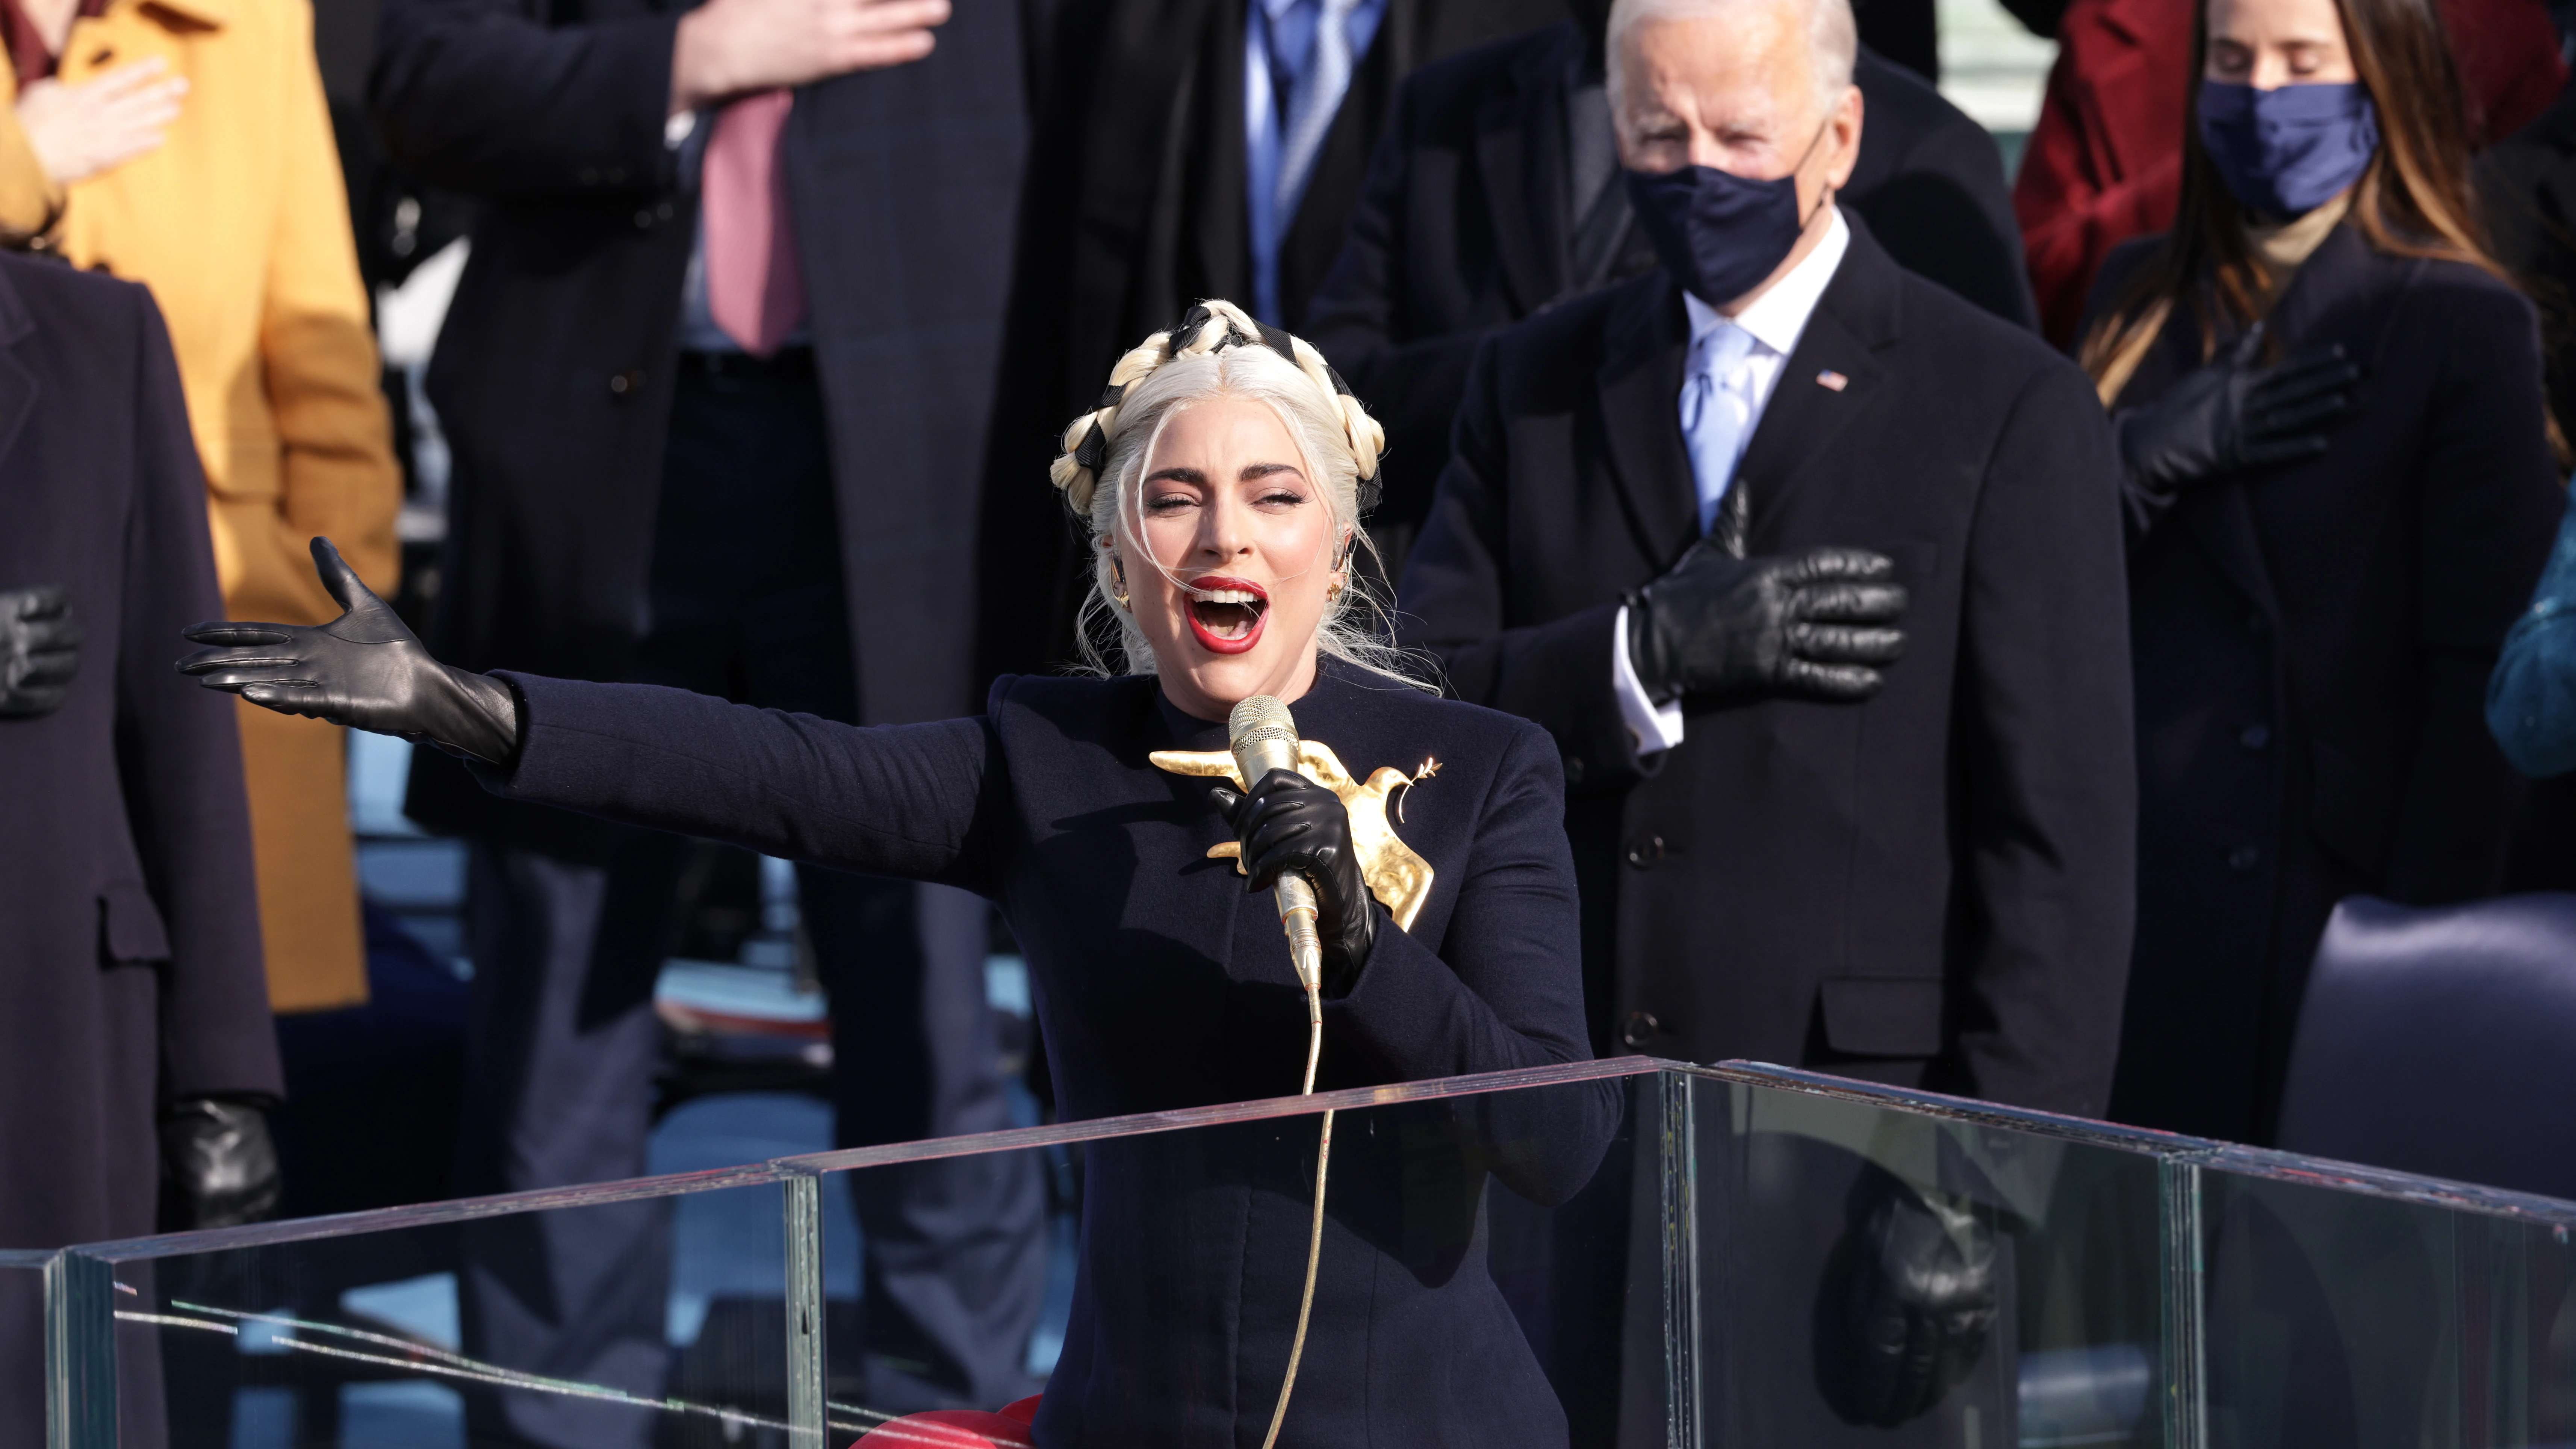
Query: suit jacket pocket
[[130, 926], [1881, 1016]]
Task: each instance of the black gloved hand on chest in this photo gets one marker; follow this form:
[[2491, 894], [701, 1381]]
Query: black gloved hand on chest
[[363, 669], [1290, 823], [2236, 413], [40, 645], [1817, 625]]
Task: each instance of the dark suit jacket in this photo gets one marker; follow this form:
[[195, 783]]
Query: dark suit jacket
[[130, 966], [554, 371], [1941, 873], [1461, 229], [2312, 647], [1160, 983], [2527, 194], [1134, 209]]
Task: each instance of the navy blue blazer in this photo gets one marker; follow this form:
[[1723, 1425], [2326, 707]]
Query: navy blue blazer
[[1161, 983]]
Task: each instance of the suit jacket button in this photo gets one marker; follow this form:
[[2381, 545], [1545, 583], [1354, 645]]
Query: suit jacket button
[[2244, 857], [1644, 853], [627, 383], [1574, 769], [1640, 1030], [2255, 736]]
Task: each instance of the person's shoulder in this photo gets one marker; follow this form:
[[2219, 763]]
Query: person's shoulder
[[1080, 705], [1575, 327], [1456, 86], [1951, 326], [1467, 731], [67, 307], [1901, 104]]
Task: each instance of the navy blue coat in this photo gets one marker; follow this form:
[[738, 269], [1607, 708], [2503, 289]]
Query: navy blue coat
[[553, 377], [1932, 886], [1160, 983], [2312, 645], [1461, 230], [130, 968]]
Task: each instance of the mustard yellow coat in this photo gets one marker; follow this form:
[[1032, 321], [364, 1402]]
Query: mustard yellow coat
[[240, 226]]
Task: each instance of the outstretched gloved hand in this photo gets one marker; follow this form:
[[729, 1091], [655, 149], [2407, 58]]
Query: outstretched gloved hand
[[1819, 625], [1923, 1302], [220, 1163], [2237, 413], [1290, 823], [363, 669], [39, 651]]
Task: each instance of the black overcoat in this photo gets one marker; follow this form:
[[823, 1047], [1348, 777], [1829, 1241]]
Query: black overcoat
[[2312, 647], [1934, 885], [1134, 209], [554, 370], [130, 966], [1160, 983], [1460, 229]]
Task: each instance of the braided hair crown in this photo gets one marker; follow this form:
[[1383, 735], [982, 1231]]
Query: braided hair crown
[[1209, 328]]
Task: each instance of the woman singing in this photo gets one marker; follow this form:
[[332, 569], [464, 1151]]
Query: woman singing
[[1220, 481], [2340, 492]]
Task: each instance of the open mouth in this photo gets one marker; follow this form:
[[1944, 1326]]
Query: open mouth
[[1226, 614]]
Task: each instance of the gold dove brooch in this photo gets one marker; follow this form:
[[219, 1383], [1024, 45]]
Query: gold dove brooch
[[1400, 879]]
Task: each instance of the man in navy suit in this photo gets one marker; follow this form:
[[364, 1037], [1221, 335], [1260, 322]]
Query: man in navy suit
[[1495, 192], [733, 302], [1814, 572]]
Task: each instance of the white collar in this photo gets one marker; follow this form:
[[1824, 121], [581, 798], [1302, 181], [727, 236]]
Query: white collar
[[1778, 316]]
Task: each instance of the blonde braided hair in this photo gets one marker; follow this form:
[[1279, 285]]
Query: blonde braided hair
[[1219, 349], [1210, 327]]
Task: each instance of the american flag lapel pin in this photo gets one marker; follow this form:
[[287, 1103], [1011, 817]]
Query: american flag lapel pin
[[1832, 381]]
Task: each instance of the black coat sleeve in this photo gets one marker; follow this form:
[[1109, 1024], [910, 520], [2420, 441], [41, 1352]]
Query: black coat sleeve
[[1503, 991], [1557, 674], [1360, 321], [475, 96], [2047, 807], [179, 753], [2488, 504], [920, 802]]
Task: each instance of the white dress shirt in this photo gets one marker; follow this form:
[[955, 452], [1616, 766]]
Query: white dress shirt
[[1772, 326]]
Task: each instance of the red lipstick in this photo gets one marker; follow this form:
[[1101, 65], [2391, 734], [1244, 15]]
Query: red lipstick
[[1227, 613]]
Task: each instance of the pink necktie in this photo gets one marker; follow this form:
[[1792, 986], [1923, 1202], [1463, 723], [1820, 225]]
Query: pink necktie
[[755, 290]]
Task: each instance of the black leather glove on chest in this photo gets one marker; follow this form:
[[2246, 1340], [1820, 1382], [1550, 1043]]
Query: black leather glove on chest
[[219, 1162], [39, 651], [1290, 823], [363, 669], [2236, 413], [1818, 625]]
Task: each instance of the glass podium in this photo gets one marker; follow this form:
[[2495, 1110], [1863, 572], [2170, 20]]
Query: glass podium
[[1759, 1257]]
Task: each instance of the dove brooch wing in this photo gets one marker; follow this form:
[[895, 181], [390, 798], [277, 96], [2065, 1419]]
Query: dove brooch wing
[[1400, 879]]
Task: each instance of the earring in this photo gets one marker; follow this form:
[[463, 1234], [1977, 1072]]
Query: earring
[[1117, 581], [1333, 590]]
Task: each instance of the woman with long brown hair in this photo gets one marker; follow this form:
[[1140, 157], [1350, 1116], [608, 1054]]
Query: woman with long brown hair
[[2340, 490]]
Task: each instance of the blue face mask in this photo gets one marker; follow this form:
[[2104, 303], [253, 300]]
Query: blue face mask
[[2288, 151], [1719, 234]]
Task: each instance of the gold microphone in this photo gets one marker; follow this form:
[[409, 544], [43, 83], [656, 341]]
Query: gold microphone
[[1263, 736]]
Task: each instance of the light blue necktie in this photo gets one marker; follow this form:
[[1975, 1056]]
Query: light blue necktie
[[1713, 422]]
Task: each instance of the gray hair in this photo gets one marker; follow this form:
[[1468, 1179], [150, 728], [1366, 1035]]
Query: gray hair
[[1833, 38], [1228, 354]]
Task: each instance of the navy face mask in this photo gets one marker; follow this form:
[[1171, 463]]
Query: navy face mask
[[2288, 151], [1719, 234]]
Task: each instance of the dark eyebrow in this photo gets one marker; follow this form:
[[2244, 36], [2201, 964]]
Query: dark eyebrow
[[1177, 475], [1253, 472]]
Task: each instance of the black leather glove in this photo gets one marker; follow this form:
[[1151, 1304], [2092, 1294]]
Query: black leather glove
[[220, 1164], [39, 651], [1923, 1302], [1817, 625], [363, 669], [1288, 823], [2236, 413]]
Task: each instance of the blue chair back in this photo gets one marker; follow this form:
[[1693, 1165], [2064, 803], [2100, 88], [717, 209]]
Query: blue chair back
[[2442, 1041]]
